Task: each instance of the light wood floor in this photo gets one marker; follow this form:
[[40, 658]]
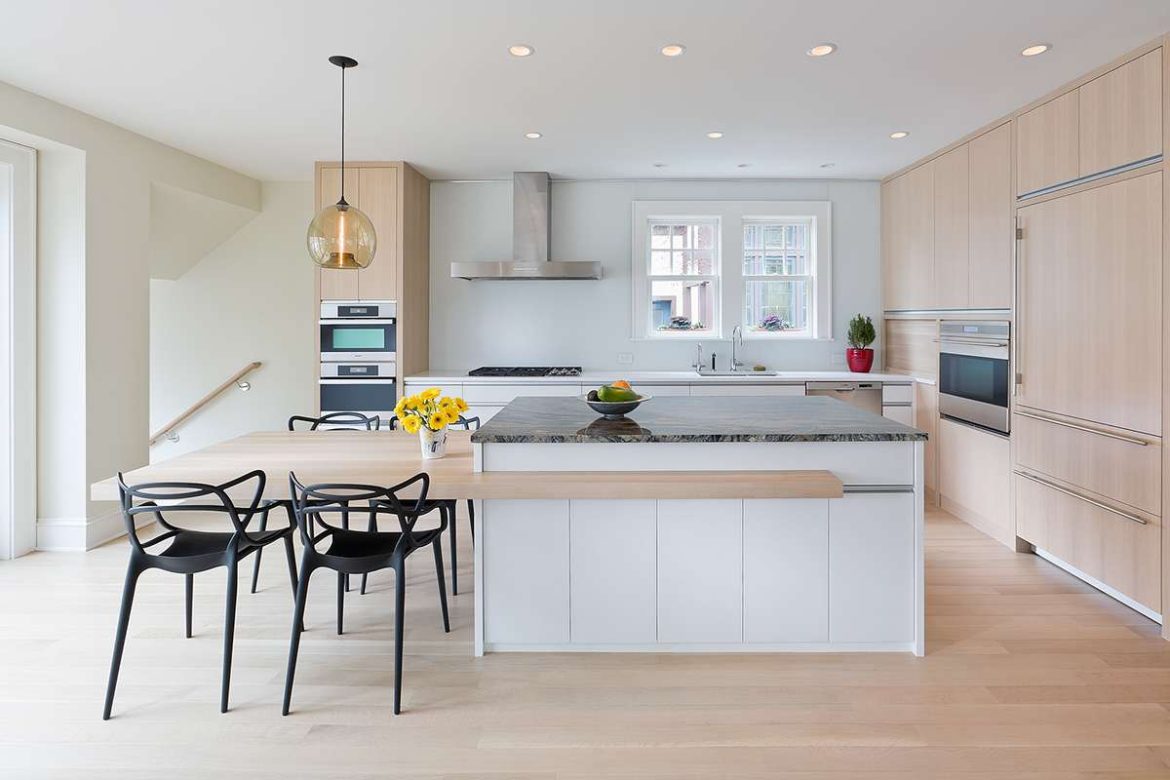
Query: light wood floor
[[1029, 674]]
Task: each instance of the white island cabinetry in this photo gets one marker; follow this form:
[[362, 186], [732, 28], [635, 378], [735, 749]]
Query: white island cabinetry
[[704, 567]]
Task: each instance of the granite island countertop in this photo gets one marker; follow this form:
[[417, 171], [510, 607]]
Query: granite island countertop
[[561, 420]]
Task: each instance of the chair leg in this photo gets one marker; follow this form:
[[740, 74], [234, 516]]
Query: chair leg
[[229, 631], [345, 577], [471, 518], [450, 514], [190, 594], [342, 587], [298, 623], [438, 547], [373, 527], [365, 577], [128, 588], [399, 611], [292, 567], [256, 565]]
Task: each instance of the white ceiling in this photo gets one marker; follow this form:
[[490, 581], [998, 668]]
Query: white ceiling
[[246, 83]]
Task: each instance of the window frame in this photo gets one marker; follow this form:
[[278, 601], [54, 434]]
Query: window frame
[[730, 280], [648, 277]]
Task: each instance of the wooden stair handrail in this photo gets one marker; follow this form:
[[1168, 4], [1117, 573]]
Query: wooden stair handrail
[[204, 401]]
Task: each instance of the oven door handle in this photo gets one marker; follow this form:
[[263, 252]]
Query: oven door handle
[[976, 342]]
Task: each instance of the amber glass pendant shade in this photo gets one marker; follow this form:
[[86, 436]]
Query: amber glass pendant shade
[[341, 237]]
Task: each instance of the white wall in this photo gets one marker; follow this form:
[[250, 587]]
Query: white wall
[[248, 299], [588, 323], [94, 185]]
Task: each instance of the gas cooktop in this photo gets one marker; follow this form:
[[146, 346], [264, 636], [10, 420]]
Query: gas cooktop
[[525, 371]]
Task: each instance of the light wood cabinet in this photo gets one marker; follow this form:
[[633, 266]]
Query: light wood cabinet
[[1122, 552], [1125, 467], [1048, 144], [1089, 341], [336, 285], [396, 198], [974, 479], [990, 228], [378, 195], [951, 230], [1120, 115], [947, 232], [908, 220]]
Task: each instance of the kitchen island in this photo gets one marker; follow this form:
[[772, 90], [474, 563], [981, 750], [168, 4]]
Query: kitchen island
[[694, 565]]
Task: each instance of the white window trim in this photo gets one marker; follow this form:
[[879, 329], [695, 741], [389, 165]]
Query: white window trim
[[728, 305], [18, 477]]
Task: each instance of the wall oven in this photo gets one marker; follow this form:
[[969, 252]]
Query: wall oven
[[359, 366], [358, 331], [974, 372]]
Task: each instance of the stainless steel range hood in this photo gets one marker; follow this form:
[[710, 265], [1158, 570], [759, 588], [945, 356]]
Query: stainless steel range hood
[[531, 228]]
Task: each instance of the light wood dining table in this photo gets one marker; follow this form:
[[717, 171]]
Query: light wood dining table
[[386, 458]]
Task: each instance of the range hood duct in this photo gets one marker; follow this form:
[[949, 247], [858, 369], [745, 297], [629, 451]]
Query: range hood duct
[[531, 229]]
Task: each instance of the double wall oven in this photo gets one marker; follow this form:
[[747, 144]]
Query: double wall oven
[[359, 357], [974, 372]]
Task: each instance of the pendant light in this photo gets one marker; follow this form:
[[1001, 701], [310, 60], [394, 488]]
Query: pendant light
[[341, 237]]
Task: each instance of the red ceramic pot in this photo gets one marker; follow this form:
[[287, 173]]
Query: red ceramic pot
[[860, 360]]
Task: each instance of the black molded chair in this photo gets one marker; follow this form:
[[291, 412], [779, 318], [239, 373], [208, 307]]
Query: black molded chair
[[447, 507], [191, 552], [361, 552], [334, 421]]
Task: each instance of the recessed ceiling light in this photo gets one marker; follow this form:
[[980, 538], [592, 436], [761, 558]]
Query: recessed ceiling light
[[659, 165], [714, 135], [744, 165], [532, 136], [672, 50], [828, 165], [899, 134], [521, 50], [822, 50], [1036, 48]]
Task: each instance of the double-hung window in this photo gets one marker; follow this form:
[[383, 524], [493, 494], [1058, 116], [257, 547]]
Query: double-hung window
[[701, 268]]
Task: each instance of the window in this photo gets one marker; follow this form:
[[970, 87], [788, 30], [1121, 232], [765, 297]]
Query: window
[[777, 287], [683, 276], [779, 276]]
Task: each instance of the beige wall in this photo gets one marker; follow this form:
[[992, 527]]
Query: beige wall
[[248, 299], [93, 356]]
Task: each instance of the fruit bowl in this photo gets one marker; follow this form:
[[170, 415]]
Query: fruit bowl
[[615, 410]]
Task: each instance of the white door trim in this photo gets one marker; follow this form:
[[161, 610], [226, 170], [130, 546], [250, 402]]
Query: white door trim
[[18, 370]]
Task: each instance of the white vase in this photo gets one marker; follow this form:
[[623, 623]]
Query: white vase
[[434, 443]]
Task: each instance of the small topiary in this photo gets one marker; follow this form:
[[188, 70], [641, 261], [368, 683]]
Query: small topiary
[[861, 332]]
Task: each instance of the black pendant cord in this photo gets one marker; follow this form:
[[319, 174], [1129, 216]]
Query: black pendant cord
[[342, 201]]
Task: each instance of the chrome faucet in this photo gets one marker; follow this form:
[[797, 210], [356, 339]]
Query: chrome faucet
[[698, 366], [736, 339]]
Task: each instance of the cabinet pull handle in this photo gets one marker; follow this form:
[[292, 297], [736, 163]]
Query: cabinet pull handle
[[1059, 489], [1075, 426]]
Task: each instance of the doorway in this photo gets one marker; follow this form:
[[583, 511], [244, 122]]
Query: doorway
[[18, 419]]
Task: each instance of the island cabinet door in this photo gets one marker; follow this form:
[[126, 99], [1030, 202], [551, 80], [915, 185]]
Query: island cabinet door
[[700, 571], [786, 570], [525, 571], [612, 571], [871, 568]]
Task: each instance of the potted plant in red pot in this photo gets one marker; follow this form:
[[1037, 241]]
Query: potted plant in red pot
[[861, 335]]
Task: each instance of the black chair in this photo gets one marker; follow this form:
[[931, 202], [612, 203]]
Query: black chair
[[361, 552], [335, 421], [447, 507], [191, 552]]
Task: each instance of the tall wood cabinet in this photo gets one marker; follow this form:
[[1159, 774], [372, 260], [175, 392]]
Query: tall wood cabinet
[[947, 229], [396, 198], [1106, 123]]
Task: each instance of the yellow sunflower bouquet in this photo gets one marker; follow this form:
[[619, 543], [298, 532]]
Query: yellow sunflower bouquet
[[428, 410]]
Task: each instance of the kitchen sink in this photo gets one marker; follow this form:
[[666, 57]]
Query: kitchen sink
[[742, 374]]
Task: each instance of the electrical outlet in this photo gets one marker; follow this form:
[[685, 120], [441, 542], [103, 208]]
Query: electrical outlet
[[625, 358]]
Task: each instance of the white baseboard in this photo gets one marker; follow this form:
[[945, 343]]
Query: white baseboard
[[1101, 586], [78, 534]]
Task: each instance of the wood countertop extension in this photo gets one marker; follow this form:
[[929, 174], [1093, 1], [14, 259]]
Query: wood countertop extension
[[386, 458]]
